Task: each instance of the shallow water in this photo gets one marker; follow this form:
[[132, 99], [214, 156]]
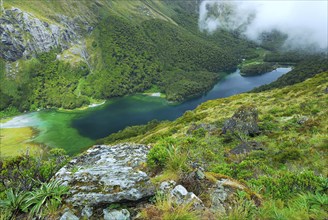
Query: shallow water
[[76, 130]]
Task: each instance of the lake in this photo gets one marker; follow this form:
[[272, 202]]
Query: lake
[[76, 130]]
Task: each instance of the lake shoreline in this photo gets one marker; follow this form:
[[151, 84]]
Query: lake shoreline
[[75, 130]]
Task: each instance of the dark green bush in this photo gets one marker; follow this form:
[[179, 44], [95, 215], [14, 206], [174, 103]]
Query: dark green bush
[[158, 156], [26, 172], [288, 154]]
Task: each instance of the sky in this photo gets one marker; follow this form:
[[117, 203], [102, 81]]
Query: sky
[[305, 21]]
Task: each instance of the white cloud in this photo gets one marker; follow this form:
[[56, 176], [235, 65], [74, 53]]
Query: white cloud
[[305, 22]]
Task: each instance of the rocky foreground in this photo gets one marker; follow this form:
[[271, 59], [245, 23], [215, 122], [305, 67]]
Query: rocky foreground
[[107, 175]]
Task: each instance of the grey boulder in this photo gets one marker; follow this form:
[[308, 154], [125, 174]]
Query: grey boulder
[[122, 214], [107, 174]]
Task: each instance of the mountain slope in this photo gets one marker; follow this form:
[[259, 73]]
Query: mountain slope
[[121, 47], [288, 122], [286, 156]]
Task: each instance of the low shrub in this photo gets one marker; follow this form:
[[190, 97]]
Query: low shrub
[[286, 184]]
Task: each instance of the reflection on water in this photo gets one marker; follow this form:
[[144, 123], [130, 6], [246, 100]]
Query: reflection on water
[[134, 110], [76, 130]]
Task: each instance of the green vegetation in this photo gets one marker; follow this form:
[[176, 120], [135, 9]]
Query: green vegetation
[[158, 46], [180, 85], [304, 69], [48, 196], [165, 209], [286, 57], [45, 82], [24, 172], [11, 136], [288, 166], [40, 202], [25, 185], [256, 69], [133, 57], [26, 188], [155, 45], [273, 40]]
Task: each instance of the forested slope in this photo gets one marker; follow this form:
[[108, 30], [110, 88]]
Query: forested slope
[[110, 48]]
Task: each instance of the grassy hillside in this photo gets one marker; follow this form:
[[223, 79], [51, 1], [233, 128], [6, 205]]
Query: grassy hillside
[[281, 167], [286, 159], [90, 11]]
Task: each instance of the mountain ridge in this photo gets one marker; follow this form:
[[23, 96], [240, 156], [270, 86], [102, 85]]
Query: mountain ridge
[[122, 48]]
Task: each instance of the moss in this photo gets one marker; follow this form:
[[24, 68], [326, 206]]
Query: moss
[[11, 136], [165, 176]]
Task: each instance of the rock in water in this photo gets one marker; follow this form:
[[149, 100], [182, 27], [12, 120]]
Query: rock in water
[[107, 174], [244, 121]]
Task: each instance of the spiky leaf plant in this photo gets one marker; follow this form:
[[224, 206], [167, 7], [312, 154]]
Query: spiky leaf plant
[[44, 196], [13, 202]]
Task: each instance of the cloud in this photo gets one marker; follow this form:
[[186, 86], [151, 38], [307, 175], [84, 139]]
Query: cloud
[[305, 22]]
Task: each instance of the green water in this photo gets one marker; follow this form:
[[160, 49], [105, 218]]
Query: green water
[[56, 131], [77, 130]]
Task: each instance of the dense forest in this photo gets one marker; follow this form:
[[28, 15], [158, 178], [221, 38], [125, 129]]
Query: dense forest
[[256, 69], [127, 57], [44, 82], [265, 151], [304, 69]]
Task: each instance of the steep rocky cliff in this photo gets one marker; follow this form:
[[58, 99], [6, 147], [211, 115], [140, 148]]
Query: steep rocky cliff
[[22, 34]]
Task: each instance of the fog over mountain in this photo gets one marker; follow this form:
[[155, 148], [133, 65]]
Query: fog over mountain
[[305, 22]]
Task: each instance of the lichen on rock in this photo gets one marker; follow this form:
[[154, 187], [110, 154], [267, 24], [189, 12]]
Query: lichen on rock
[[243, 122], [22, 34], [107, 174]]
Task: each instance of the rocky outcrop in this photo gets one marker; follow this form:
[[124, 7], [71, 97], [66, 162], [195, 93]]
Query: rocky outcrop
[[122, 214], [107, 174], [221, 193], [22, 34], [179, 195], [68, 215], [244, 121]]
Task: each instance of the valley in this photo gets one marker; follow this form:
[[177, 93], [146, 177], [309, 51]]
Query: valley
[[76, 130], [163, 109]]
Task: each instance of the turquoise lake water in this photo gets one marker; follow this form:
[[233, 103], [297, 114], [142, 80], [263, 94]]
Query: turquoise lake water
[[76, 130]]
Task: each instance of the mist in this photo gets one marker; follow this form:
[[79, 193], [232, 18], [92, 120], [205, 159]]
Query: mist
[[305, 22]]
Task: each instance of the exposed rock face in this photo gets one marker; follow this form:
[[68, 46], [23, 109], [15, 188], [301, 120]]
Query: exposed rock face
[[123, 214], [218, 196], [221, 194], [87, 212], [302, 120], [22, 34], [107, 174], [180, 195], [244, 121], [68, 215]]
